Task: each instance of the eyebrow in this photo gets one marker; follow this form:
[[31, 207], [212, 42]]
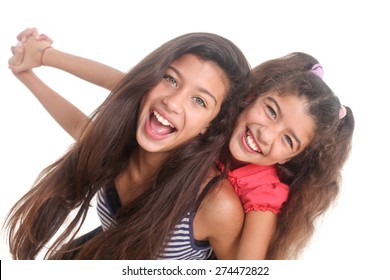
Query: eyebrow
[[201, 89], [281, 113]]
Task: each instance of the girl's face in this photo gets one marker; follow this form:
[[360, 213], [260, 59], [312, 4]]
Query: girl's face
[[182, 104], [272, 129]]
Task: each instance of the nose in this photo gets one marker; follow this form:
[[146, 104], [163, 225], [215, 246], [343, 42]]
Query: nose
[[264, 136], [175, 101], [267, 134]]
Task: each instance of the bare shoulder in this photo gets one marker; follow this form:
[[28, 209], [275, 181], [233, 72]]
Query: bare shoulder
[[224, 198], [220, 219], [222, 208]]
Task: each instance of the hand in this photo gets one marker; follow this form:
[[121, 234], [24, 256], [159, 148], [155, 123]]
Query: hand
[[28, 32], [29, 51], [17, 58]]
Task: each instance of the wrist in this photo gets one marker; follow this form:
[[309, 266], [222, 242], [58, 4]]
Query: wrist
[[24, 76], [43, 51]]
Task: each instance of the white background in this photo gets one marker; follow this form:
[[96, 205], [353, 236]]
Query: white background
[[350, 39]]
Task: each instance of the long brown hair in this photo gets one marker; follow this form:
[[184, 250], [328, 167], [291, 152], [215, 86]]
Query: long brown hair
[[314, 175], [103, 152]]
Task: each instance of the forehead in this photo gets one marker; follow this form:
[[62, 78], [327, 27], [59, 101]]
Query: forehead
[[195, 61], [202, 74]]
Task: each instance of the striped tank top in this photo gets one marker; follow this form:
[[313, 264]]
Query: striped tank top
[[181, 245]]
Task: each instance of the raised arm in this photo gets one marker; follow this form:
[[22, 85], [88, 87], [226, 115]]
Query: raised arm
[[86, 69], [32, 51], [69, 117], [40, 52]]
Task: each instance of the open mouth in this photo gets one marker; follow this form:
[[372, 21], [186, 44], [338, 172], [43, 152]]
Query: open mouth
[[251, 142], [160, 125]]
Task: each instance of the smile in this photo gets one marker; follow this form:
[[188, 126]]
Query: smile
[[158, 127], [251, 143], [162, 120]]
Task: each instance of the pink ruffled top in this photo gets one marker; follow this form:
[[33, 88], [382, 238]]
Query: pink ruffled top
[[259, 187]]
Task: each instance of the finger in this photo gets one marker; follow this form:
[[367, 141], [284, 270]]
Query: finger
[[14, 68], [10, 61], [19, 44], [17, 58], [18, 55], [22, 36], [45, 38]]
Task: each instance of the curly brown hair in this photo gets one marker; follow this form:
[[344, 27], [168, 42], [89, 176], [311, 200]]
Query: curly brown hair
[[314, 175]]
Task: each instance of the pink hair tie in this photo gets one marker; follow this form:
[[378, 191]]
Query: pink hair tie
[[317, 70], [342, 112]]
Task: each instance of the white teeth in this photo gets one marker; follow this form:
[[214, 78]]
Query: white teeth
[[162, 120], [251, 143]]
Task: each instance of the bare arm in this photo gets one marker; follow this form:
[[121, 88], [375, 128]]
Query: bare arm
[[230, 235], [233, 235], [32, 51], [219, 220], [70, 118], [38, 51], [259, 228], [86, 69]]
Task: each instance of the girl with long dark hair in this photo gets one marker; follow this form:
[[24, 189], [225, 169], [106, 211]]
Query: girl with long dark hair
[[154, 140]]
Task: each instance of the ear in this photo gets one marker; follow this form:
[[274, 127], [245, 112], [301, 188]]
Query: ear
[[284, 161], [204, 130]]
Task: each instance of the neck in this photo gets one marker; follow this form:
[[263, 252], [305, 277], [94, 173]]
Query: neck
[[139, 173], [234, 163], [146, 163]]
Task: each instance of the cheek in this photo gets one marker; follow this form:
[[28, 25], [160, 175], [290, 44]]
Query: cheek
[[280, 154], [144, 104], [203, 119], [253, 115], [242, 120]]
